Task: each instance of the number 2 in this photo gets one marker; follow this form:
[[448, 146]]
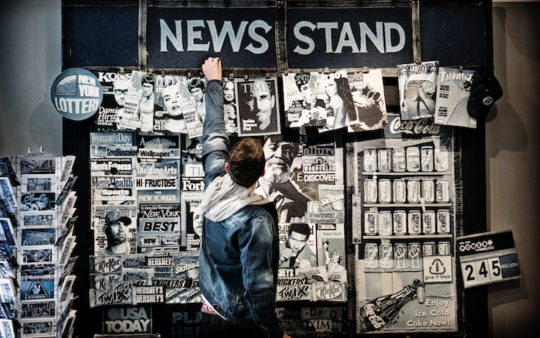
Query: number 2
[[471, 270]]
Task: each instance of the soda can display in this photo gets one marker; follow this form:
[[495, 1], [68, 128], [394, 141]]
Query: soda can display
[[399, 191], [414, 252], [442, 191], [428, 191], [384, 160], [400, 256], [370, 222], [370, 159], [443, 248], [414, 222], [370, 191], [428, 249], [399, 162], [413, 158], [400, 222], [426, 158], [385, 255], [385, 191], [441, 159], [428, 222], [371, 256], [385, 223], [413, 191], [443, 221]]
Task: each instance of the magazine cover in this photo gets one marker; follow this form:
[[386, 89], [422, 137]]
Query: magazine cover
[[115, 230], [338, 100], [115, 85], [128, 117], [453, 91], [304, 100], [258, 106], [368, 95], [230, 106], [417, 89]]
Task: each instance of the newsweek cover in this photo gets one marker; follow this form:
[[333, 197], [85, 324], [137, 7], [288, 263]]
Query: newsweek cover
[[258, 106], [304, 100], [453, 91], [417, 89], [230, 106], [367, 91], [128, 117]]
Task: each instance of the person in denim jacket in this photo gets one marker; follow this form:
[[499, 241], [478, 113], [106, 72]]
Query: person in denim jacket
[[239, 248]]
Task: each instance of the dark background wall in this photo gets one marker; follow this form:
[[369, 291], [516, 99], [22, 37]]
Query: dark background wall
[[30, 59]]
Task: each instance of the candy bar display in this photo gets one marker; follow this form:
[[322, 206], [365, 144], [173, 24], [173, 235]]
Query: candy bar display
[[404, 227]]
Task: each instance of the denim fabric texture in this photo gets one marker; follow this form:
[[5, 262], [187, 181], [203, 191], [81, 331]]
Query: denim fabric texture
[[238, 256]]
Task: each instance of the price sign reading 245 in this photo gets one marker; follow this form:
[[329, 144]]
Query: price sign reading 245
[[481, 272], [487, 258]]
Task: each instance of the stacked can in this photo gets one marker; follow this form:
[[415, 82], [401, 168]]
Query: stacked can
[[385, 191], [428, 249], [385, 223], [385, 255], [370, 191], [400, 222], [370, 222], [399, 191], [442, 191], [400, 256], [384, 160], [443, 221], [370, 160], [441, 159], [413, 159], [428, 191], [413, 191], [371, 256], [399, 162], [428, 222], [443, 248], [414, 222], [415, 255], [426, 158]]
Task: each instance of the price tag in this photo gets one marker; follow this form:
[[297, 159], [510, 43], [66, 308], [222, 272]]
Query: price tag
[[487, 258]]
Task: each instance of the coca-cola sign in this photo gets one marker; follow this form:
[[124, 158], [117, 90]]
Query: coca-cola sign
[[421, 127]]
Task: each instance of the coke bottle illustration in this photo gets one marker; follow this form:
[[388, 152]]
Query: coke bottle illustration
[[381, 311]]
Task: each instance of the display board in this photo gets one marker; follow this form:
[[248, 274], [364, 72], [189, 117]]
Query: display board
[[143, 152]]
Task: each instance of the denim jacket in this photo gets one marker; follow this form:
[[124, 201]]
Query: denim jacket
[[238, 256]]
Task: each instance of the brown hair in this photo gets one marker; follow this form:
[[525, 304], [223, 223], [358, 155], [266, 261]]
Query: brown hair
[[246, 162]]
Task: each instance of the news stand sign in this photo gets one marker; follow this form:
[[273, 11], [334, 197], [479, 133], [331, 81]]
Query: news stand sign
[[488, 258]]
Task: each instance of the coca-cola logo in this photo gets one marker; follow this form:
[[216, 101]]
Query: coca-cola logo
[[415, 127]]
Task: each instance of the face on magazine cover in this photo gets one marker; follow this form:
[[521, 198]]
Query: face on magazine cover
[[120, 89], [279, 157], [264, 102], [228, 92], [171, 100]]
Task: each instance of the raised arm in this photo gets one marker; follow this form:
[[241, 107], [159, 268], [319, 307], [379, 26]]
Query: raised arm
[[215, 142]]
